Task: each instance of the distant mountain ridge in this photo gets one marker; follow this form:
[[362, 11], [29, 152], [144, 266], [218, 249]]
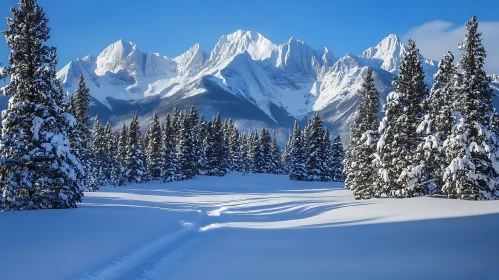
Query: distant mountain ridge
[[246, 77]]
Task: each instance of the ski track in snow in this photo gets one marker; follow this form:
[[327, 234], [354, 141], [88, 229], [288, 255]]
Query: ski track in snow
[[133, 264]]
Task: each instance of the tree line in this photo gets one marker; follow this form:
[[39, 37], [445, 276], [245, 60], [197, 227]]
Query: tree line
[[438, 141]]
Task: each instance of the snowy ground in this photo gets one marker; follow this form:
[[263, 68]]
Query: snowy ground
[[251, 227]]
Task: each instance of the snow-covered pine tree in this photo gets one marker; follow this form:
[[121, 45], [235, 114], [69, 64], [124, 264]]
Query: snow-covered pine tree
[[265, 143], [154, 150], [437, 125], [316, 150], [359, 169], [120, 178], [185, 152], [276, 156], [471, 148], [196, 140], [245, 164], [235, 155], [215, 162], [286, 155], [255, 154], [80, 103], [170, 164], [329, 162], [298, 170], [135, 158], [203, 134], [110, 153], [338, 156], [39, 169], [99, 155], [398, 130]]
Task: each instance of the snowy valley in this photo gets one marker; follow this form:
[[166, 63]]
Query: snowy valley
[[253, 226]]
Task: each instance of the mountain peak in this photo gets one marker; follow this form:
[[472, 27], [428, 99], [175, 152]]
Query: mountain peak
[[112, 57], [389, 50], [240, 41]]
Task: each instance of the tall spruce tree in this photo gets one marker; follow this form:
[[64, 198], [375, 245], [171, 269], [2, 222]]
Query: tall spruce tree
[[437, 126], [338, 156], [214, 149], [265, 143], [99, 155], [316, 150], [170, 164], [110, 152], [471, 147], [135, 158], [358, 164], [298, 170], [154, 150], [235, 154], [120, 177], [398, 132], [255, 154], [185, 152], [276, 157], [286, 155], [39, 169], [80, 106]]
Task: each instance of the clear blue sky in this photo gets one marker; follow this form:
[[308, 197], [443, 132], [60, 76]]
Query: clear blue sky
[[170, 27]]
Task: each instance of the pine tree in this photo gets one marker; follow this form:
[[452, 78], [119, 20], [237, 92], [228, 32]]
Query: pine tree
[[276, 157], [298, 170], [154, 149], [214, 146], [358, 164], [255, 154], [196, 140], [286, 155], [437, 125], [398, 132], [316, 150], [235, 155], [99, 155], [330, 161], [136, 168], [265, 143], [185, 152], [110, 153], [471, 147], [38, 167], [245, 161], [80, 106], [338, 156], [170, 164], [119, 177]]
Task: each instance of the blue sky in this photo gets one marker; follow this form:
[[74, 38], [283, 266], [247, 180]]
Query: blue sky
[[171, 27]]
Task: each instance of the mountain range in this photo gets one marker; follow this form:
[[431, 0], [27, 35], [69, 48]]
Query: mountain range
[[246, 77]]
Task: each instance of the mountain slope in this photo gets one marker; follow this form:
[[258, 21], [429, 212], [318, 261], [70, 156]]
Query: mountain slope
[[269, 84]]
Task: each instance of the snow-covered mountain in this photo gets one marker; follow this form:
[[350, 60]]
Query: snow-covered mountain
[[246, 77]]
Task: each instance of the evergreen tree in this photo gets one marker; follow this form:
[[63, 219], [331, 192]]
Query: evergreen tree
[[330, 161], [276, 157], [316, 150], [136, 168], [214, 146], [39, 169], [286, 155], [196, 140], [255, 154], [436, 126], [119, 177], [80, 106], [245, 161], [358, 164], [298, 170], [265, 143], [170, 164], [338, 156], [185, 152], [99, 152], [154, 149], [471, 147], [398, 132], [235, 154], [110, 153]]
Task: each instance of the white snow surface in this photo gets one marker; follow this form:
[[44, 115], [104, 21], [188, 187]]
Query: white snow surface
[[251, 227], [292, 75]]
